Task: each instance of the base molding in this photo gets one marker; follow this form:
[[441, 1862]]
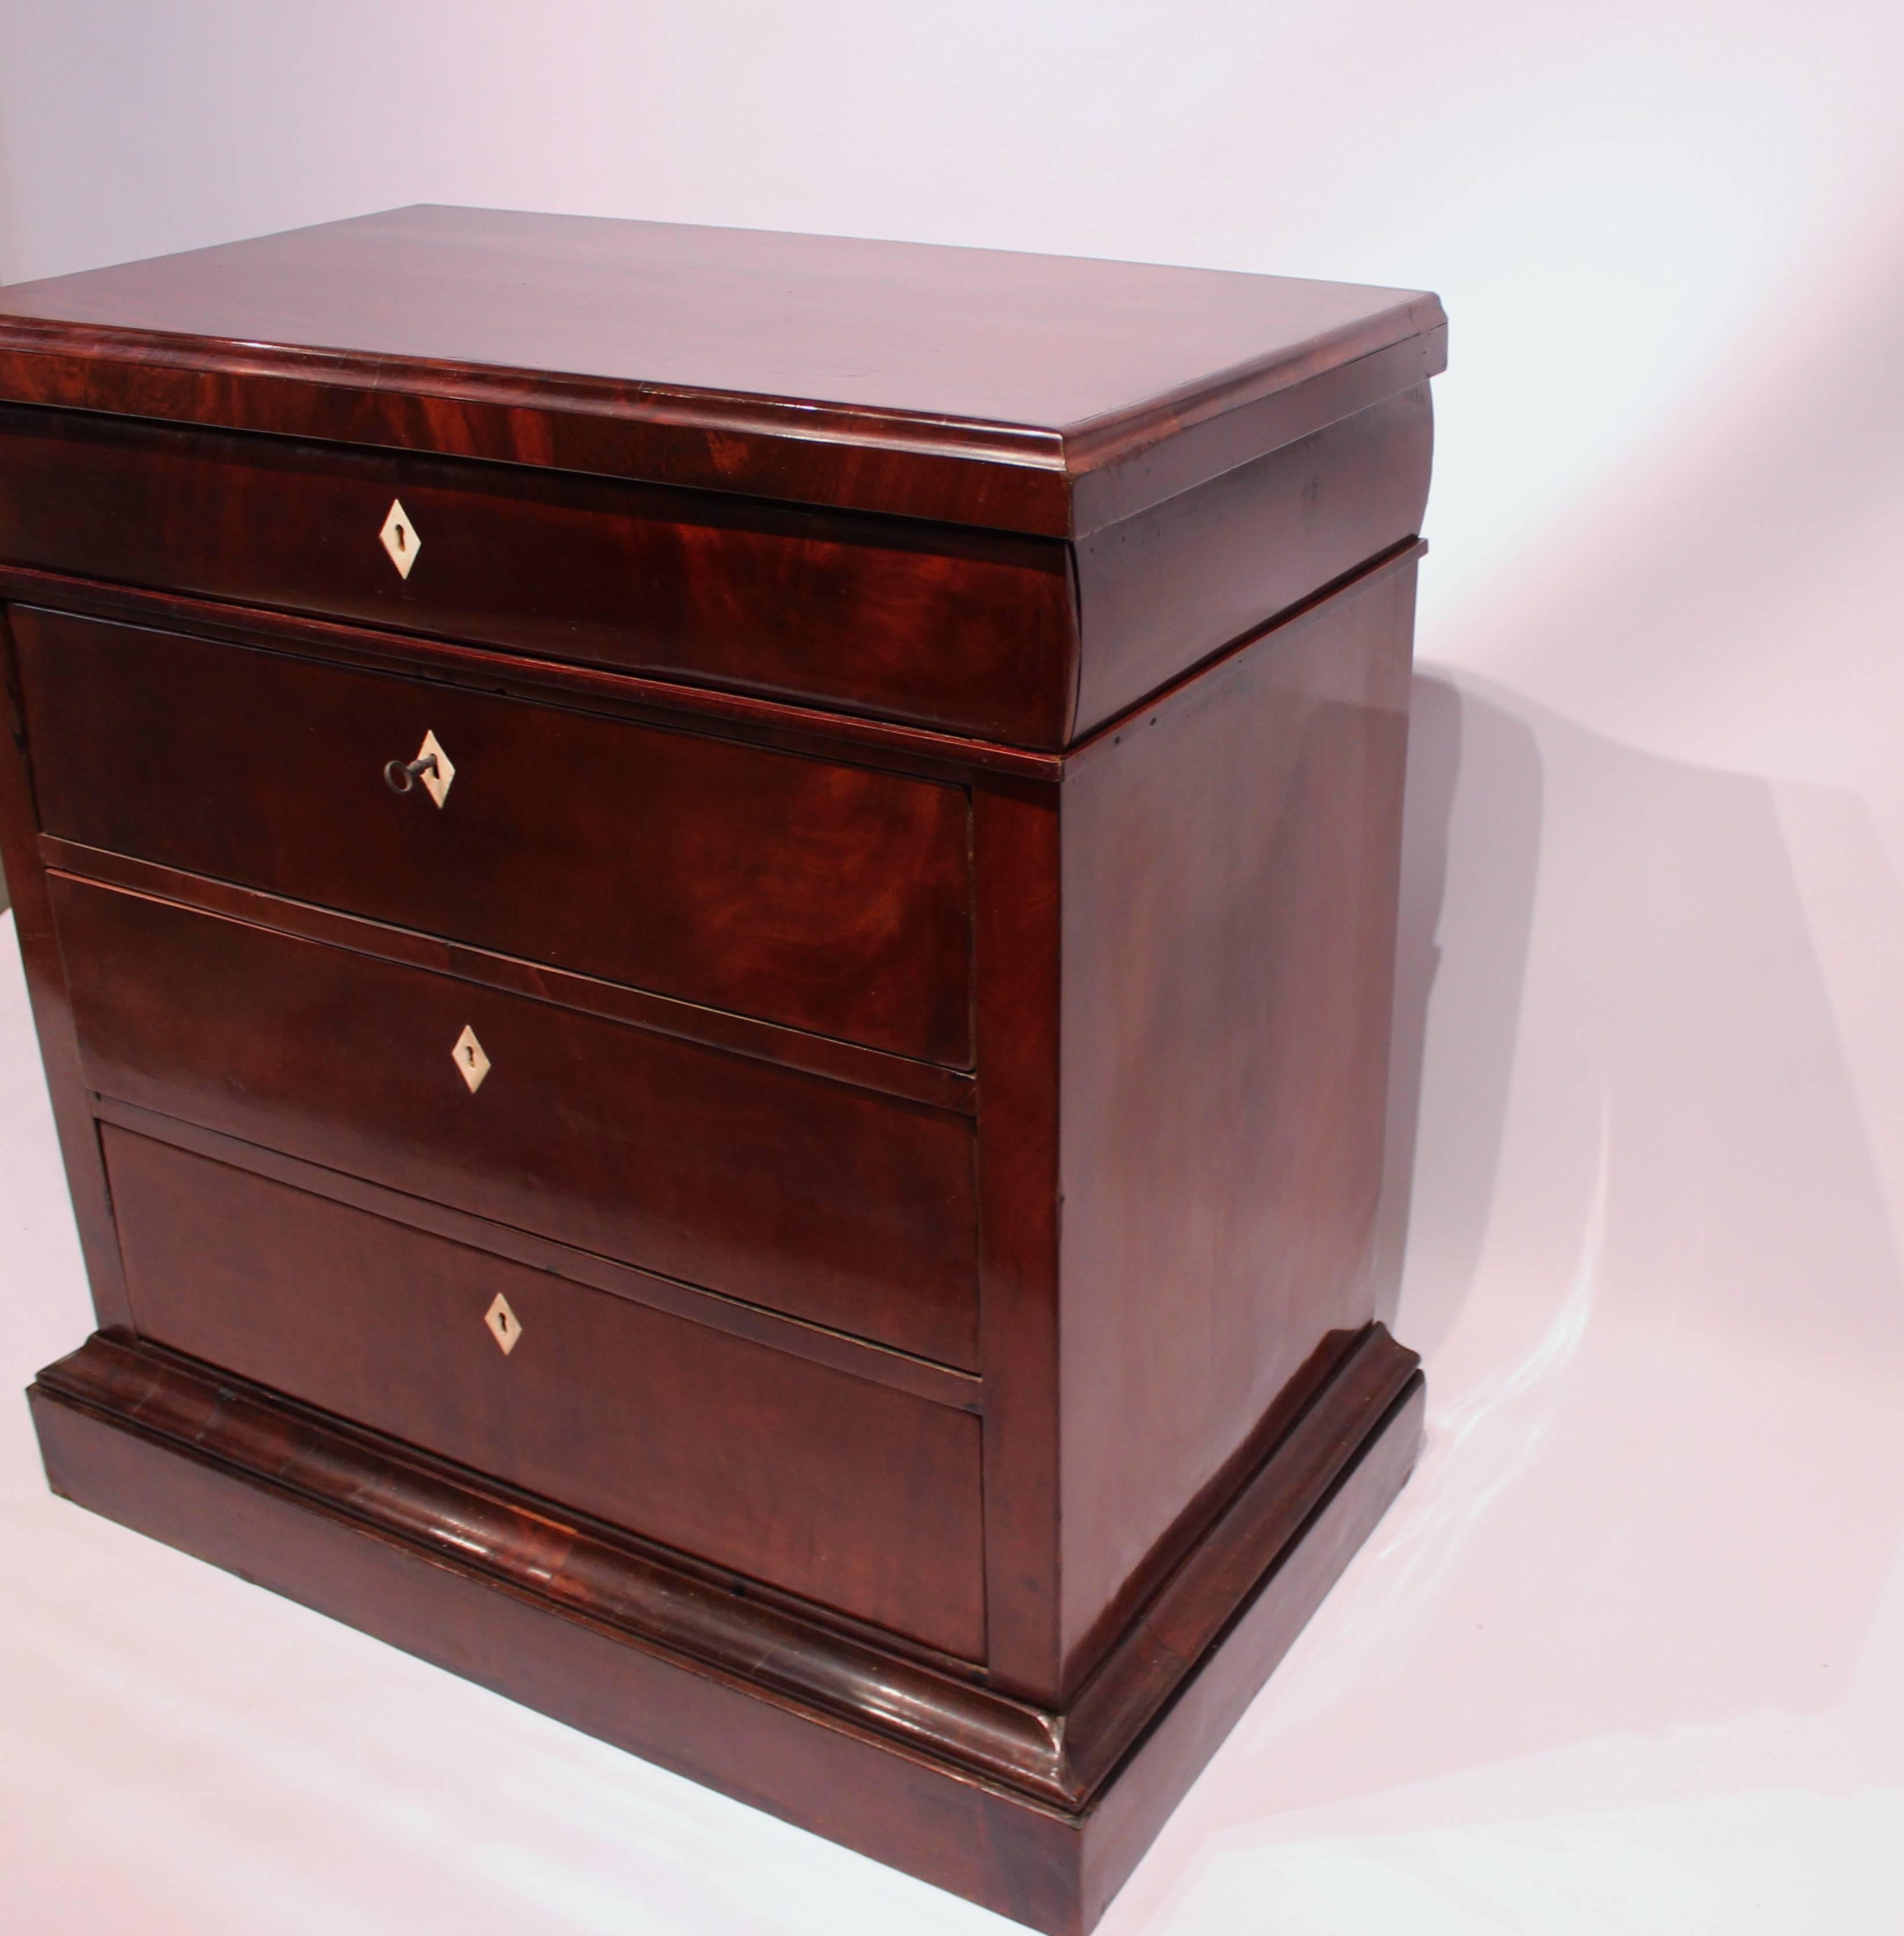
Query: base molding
[[1037, 1814]]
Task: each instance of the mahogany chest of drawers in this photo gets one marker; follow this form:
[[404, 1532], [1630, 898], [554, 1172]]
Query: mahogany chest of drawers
[[711, 918]]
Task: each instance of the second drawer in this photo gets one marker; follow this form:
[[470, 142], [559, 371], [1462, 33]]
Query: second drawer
[[822, 896], [854, 1210]]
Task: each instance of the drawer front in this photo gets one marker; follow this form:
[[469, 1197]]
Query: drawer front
[[803, 1195], [862, 1497], [828, 897], [967, 631]]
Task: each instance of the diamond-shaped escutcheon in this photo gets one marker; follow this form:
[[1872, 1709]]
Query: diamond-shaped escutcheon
[[504, 1325], [436, 779], [472, 1065], [399, 537]]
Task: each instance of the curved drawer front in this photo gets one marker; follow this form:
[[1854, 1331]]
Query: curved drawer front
[[803, 1195], [831, 898], [967, 631], [793, 1473]]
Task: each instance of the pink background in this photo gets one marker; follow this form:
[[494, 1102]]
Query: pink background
[[1630, 1653]]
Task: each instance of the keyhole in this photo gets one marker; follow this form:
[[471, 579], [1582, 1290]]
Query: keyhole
[[400, 537], [502, 1320], [469, 1055]]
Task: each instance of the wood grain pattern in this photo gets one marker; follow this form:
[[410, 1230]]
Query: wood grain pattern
[[1132, 1809], [744, 717], [826, 897], [972, 386], [51, 1006], [801, 1195], [920, 878], [630, 1644], [814, 1481], [926, 1082], [1019, 976], [965, 630], [800, 1338], [1230, 874], [959, 632], [1165, 590]]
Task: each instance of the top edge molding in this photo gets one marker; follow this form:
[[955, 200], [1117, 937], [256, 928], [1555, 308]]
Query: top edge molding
[[1047, 395]]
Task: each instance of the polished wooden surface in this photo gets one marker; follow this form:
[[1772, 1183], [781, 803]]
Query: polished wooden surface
[[750, 717], [826, 897], [53, 1015], [1231, 863], [1037, 1815], [969, 384], [802, 1195], [928, 1082], [934, 978], [925, 1378], [1019, 975], [1166, 590], [1130, 1810], [813, 1482], [969, 630]]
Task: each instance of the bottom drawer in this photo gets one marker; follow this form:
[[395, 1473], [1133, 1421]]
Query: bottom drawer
[[862, 1497]]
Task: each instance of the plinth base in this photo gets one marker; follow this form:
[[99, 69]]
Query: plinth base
[[913, 1760]]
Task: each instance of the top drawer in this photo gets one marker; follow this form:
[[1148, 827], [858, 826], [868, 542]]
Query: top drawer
[[827, 898], [969, 631]]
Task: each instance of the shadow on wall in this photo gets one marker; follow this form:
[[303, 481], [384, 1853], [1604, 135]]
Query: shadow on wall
[[1465, 753], [1651, 1263]]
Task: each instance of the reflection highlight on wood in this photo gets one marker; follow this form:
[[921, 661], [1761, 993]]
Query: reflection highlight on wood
[[712, 918]]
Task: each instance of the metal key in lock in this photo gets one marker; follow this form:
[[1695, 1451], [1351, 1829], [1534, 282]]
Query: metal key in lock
[[432, 767]]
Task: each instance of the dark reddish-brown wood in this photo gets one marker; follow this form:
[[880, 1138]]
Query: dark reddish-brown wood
[[970, 630], [813, 1483], [1182, 581], [819, 1055], [911, 1761], [830, 897], [882, 1364], [746, 717], [929, 730], [53, 1015], [803, 1195], [1019, 982], [1231, 863], [1022, 392]]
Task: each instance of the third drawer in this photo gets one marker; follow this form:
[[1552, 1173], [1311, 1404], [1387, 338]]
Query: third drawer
[[802, 1194]]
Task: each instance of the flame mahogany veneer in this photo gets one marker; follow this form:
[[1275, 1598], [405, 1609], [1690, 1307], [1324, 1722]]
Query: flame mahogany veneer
[[880, 1319]]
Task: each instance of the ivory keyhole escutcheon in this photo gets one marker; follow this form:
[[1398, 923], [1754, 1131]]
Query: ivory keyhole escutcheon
[[440, 776], [504, 1325], [399, 538], [472, 1065]]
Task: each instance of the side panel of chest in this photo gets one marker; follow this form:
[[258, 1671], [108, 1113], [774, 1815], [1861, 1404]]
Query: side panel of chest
[[1230, 861]]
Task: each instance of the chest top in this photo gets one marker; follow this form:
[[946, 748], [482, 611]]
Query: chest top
[[1020, 392]]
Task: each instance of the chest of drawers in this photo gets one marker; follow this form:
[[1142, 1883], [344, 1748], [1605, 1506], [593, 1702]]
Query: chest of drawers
[[711, 918]]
